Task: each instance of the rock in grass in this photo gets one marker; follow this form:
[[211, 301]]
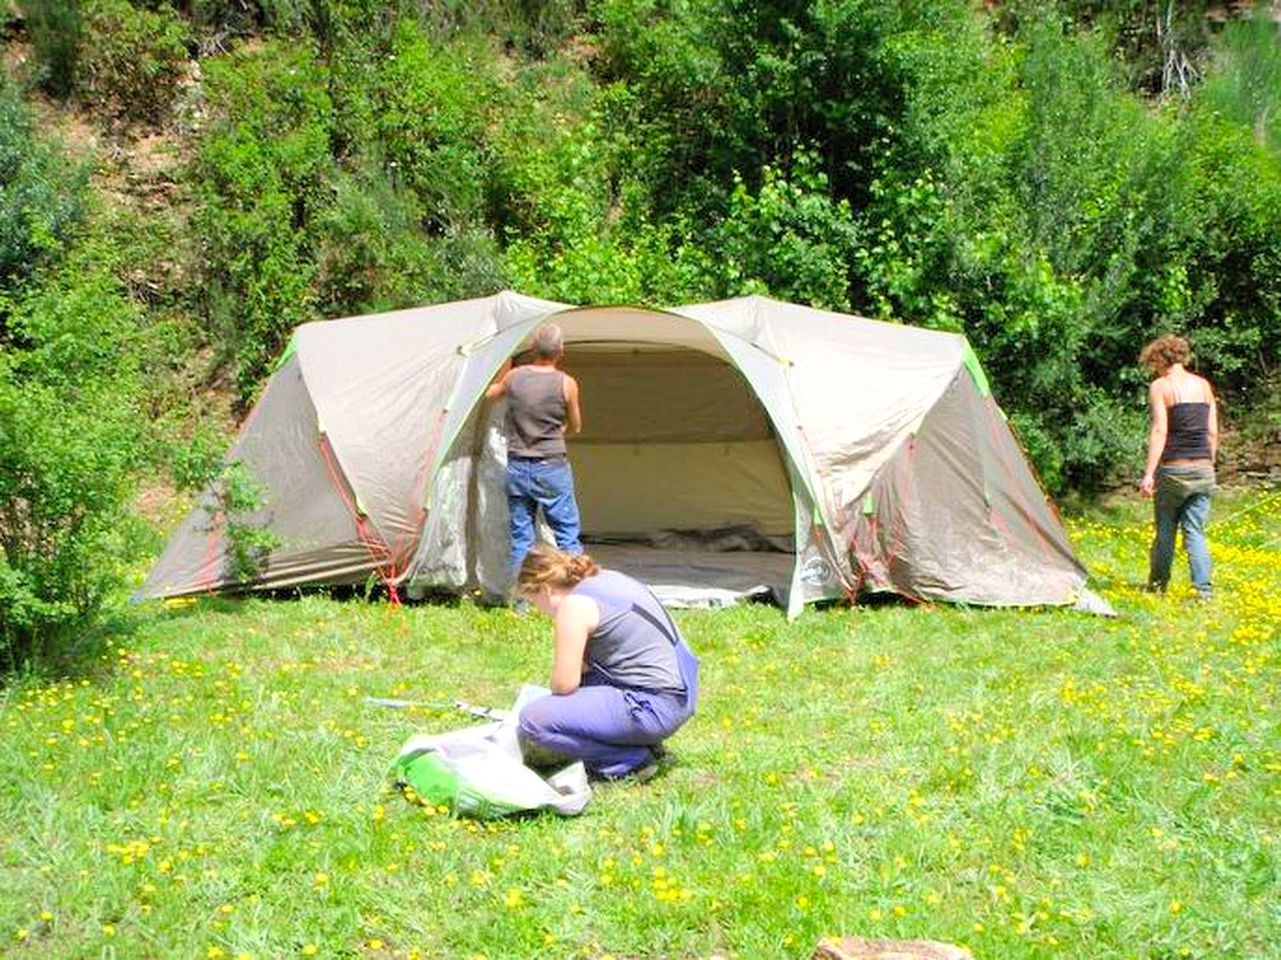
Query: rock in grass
[[859, 948]]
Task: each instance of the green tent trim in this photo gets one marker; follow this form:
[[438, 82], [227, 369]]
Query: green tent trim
[[971, 361]]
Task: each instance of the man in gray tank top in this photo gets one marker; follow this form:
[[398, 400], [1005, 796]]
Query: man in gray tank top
[[542, 405]]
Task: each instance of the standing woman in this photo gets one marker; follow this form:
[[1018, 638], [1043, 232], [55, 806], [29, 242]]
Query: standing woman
[[1182, 443], [623, 678]]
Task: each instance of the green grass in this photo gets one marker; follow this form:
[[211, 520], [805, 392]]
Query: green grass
[[1029, 784]]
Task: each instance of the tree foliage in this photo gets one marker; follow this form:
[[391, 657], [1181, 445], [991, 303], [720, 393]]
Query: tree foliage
[[71, 435], [1059, 182], [40, 192], [996, 175]]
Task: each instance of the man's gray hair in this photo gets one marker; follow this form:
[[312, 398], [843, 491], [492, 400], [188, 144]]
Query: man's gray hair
[[548, 341]]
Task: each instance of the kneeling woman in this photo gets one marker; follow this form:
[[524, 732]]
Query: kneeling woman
[[623, 678]]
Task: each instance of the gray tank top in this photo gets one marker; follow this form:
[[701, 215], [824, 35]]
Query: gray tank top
[[536, 412], [633, 646]]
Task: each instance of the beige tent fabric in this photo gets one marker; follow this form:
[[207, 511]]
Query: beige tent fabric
[[958, 515], [646, 487], [686, 419], [375, 390], [381, 385], [282, 450], [867, 445]]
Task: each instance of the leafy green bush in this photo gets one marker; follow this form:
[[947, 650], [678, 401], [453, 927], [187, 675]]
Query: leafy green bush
[[237, 511], [370, 255], [993, 174], [1246, 86], [195, 463], [71, 435], [132, 58], [1233, 270], [534, 27], [340, 185], [42, 194], [643, 263], [432, 111], [791, 239], [55, 29], [373, 255], [732, 86], [260, 177], [1152, 39], [1031, 201]]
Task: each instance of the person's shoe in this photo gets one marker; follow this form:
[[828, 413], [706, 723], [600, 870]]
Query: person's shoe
[[1203, 596], [646, 773], [1154, 588]]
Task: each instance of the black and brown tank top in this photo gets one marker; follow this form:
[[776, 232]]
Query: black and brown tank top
[[536, 413]]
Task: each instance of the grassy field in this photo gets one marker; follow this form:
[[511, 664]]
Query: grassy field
[[1029, 784]]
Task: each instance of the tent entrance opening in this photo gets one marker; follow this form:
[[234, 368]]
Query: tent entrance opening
[[679, 476]]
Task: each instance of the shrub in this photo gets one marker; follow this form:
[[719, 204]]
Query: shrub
[[71, 434], [1233, 270], [132, 58], [993, 174], [643, 263], [55, 29], [196, 463], [237, 509], [433, 105], [260, 175], [734, 85], [1246, 82], [790, 239], [1054, 222], [341, 182], [42, 195], [578, 224]]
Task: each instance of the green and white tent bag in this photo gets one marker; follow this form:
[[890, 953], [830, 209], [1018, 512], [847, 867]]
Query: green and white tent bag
[[479, 772]]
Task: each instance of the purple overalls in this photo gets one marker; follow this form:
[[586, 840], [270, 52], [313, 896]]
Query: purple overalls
[[640, 684]]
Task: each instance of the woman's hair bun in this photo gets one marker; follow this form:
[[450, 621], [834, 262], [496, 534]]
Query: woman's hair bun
[[546, 566]]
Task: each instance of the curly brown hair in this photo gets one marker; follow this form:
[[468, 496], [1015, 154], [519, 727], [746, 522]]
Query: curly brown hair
[[1165, 351], [546, 566]]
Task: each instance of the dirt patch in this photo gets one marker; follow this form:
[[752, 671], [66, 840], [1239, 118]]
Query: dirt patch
[[154, 156], [161, 504], [17, 57], [72, 129]]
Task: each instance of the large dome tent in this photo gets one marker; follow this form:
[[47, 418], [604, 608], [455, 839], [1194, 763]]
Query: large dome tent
[[728, 448]]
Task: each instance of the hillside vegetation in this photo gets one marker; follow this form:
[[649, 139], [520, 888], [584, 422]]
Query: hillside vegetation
[[184, 183]]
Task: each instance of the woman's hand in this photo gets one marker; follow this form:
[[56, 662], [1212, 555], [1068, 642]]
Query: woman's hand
[[1147, 486]]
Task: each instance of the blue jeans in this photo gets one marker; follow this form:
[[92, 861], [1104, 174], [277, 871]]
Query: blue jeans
[[540, 483], [1182, 500]]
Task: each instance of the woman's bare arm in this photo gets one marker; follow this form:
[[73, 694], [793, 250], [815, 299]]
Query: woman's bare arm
[[575, 620], [1213, 424], [1156, 436]]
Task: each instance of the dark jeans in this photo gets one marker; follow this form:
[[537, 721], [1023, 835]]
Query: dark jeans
[[1182, 500], [540, 483]]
